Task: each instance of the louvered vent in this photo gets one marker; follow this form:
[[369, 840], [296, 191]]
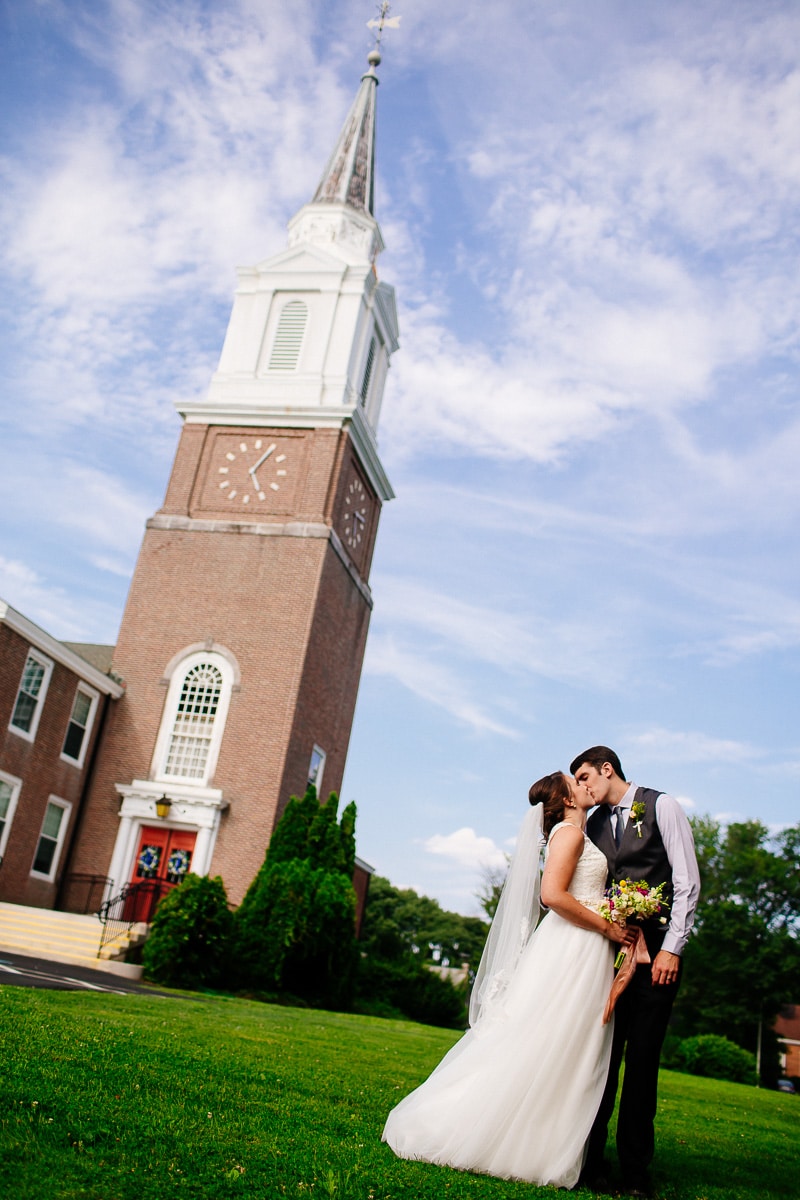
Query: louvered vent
[[370, 363], [289, 336]]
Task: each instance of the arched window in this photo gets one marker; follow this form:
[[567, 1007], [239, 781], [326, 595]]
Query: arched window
[[289, 336], [194, 718], [194, 722]]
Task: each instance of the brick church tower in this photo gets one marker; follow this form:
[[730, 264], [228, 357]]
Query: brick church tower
[[243, 636]]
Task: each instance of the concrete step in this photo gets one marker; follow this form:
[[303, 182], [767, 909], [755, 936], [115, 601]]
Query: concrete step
[[65, 937]]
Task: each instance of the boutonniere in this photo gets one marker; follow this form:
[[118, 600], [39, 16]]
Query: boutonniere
[[637, 812]]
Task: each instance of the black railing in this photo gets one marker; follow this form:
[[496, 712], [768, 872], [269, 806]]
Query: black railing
[[84, 893], [137, 902]]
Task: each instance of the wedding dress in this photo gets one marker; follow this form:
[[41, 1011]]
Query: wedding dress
[[517, 1095]]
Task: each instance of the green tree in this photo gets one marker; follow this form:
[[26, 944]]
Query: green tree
[[290, 836], [399, 921], [325, 847], [403, 936], [492, 883], [295, 928], [742, 963]]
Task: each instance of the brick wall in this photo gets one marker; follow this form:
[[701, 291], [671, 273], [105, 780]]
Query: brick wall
[[40, 767], [287, 609]]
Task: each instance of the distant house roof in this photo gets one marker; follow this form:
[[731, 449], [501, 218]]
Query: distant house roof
[[99, 656], [788, 1023]]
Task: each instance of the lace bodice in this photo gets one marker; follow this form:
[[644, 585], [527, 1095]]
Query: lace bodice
[[589, 880]]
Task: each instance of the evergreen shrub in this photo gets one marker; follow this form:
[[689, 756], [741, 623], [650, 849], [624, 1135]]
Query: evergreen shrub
[[295, 928], [716, 1057], [189, 935]]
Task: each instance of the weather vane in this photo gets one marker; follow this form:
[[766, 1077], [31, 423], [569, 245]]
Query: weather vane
[[381, 22]]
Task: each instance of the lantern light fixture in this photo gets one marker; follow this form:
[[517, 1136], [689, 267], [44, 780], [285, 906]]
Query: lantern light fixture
[[163, 805]]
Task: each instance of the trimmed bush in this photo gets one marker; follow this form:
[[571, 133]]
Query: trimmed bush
[[716, 1057], [189, 936]]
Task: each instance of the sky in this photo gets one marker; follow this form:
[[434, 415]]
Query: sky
[[590, 211]]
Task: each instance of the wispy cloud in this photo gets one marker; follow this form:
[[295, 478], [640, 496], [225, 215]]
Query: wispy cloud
[[603, 294], [526, 643], [433, 682], [670, 745], [143, 193], [592, 424], [54, 608]]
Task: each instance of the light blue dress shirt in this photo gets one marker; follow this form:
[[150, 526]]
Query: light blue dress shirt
[[676, 834]]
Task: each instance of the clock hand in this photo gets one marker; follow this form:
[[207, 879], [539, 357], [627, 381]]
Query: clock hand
[[252, 470]]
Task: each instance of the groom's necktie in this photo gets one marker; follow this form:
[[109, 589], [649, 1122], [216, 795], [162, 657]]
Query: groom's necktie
[[618, 826]]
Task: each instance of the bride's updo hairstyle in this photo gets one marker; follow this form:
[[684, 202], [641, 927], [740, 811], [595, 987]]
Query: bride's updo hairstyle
[[552, 793]]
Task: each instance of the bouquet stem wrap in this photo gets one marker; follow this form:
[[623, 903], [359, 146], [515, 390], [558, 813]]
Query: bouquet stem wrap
[[632, 955]]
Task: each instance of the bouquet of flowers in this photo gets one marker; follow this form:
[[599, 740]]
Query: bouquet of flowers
[[633, 900], [630, 900]]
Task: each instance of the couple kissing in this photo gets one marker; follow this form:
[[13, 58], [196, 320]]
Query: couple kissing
[[528, 1091]]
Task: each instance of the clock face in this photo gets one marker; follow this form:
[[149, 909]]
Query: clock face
[[356, 511], [250, 470]]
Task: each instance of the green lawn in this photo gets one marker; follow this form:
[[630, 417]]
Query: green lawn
[[146, 1098]]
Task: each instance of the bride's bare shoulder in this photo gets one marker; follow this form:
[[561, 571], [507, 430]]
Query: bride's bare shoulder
[[574, 839]]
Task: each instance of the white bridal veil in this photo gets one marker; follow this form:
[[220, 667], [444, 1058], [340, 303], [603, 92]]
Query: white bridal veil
[[516, 918]]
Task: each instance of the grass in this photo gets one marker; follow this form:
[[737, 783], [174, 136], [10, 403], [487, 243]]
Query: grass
[[145, 1098]]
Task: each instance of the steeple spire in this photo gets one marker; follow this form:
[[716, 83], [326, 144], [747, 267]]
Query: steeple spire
[[349, 176], [341, 215]]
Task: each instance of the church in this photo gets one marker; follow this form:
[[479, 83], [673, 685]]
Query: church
[[234, 678]]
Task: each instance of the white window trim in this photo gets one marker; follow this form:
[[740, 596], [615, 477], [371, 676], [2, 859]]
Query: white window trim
[[278, 351], [370, 398], [16, 786], [180, 669], [62, 833], [321, 771], [372, 406], [30, 734], [368, 368], [94, 698]]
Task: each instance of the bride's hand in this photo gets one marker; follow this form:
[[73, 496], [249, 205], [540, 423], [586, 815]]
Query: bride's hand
[[619, 933]]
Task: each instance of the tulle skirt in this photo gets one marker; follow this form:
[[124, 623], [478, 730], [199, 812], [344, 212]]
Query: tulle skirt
[[517, 1095]]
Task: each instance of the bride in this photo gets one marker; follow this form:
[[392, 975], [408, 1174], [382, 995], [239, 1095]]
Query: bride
[[516, 1096]]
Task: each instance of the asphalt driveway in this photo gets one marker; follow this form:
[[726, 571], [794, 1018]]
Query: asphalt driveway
[[18, 970]]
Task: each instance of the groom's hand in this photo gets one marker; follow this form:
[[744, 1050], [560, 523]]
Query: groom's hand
[[665, 967]]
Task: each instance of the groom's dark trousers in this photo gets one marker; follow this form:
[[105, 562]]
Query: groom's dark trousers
[[641, 1018], [643, 1010]]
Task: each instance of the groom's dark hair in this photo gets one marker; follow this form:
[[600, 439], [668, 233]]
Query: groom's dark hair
[[595, 757]]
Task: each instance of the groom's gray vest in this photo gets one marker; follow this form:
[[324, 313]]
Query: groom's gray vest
[[636, 857]]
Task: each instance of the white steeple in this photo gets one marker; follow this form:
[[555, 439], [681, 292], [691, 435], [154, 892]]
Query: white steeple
[[312, 330]]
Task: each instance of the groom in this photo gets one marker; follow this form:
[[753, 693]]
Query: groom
[[644, 834]]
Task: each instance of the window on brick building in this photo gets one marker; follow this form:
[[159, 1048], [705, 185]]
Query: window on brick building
[[9, 791], [51, 839], [30, 697], [194, 718], [80, 725], [316, 767]]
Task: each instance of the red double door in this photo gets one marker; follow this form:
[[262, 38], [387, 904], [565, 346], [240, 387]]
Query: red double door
[[162, 860]]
